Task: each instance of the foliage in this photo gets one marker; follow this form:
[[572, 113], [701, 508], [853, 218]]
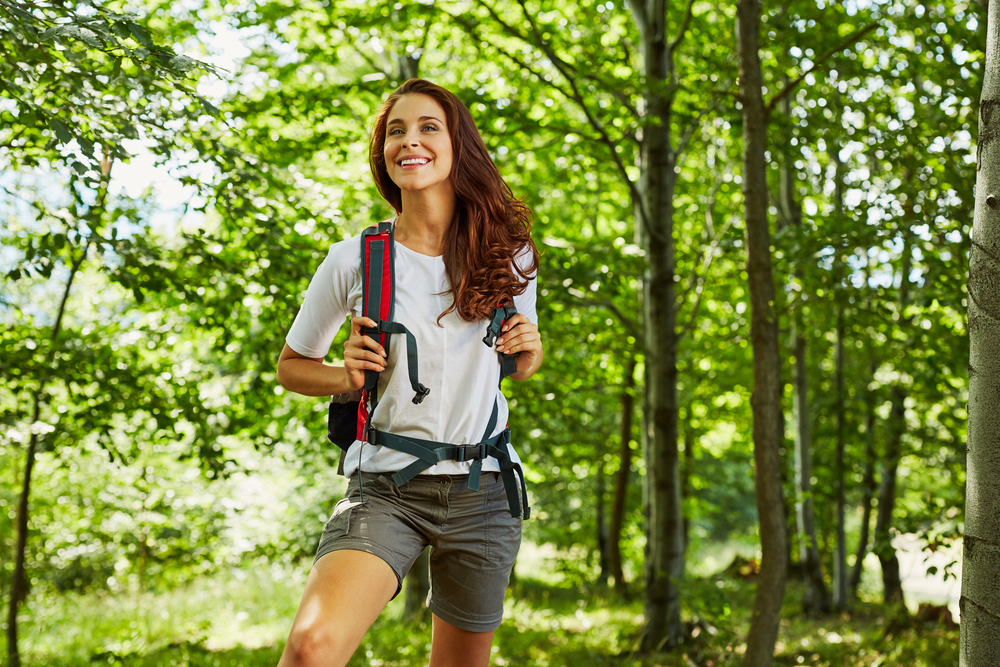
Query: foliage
[[240, 616]]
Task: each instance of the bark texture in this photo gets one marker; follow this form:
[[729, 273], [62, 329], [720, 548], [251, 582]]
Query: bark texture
[[664, 557], [980, 602], [766, 401]]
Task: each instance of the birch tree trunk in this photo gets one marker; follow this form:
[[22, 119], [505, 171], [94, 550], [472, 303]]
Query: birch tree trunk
[[766, 400], [664, 557], [980, 602]]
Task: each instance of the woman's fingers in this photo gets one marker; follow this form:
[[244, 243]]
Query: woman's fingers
[[362, 353], [520, 335]]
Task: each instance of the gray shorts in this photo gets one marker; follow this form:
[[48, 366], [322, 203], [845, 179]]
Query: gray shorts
[[474, 538]]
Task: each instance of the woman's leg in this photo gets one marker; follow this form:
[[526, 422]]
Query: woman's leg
[[344, 594], [453, 647]]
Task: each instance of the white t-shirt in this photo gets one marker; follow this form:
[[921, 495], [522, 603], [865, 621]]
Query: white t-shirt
[[453, 362]]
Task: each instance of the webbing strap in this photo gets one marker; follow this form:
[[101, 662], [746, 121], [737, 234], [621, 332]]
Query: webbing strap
[[477, 466], [429, 453], [373, 300], [419, 390]]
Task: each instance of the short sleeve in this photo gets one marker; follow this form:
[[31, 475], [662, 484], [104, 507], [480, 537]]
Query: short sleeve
[[525, 303], [328, 300]]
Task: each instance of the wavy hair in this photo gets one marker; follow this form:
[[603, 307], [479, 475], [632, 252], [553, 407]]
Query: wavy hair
[[491, 228]]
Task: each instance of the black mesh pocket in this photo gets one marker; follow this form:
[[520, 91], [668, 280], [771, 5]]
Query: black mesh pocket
[[342, 424]]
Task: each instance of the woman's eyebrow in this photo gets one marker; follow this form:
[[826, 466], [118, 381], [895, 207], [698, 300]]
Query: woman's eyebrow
[[399, 121]]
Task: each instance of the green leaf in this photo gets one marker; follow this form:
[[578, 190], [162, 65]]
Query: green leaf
[[63, 133], [140, 34], [90, 38], [182, 64]]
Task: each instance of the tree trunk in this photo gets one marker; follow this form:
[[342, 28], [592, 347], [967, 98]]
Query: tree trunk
[[602, 524], [418, 584], [766, 401], [814, 598], [980, 602], [689, 441], [19, 582], [891, 582], [622, 480], [840, 597], [664, 561], [868, 487]]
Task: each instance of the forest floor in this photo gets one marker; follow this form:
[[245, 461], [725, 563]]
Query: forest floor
[[242, 617]]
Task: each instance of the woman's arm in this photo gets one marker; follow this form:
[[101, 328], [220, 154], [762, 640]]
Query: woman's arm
[[309, 376], [521, 337]]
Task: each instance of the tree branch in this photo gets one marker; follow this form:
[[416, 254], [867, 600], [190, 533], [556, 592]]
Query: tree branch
[[699, 285], [784, 92], [627, 322], [685, 24]]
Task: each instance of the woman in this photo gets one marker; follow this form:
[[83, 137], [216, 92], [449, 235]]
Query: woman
[[462, 247]]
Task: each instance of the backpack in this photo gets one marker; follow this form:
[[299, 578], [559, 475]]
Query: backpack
[[349, 421]]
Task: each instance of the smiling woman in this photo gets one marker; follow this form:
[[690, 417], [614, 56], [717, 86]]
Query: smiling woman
[[462, 253]]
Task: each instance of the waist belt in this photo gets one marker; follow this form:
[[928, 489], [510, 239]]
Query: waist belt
[[429, 452]]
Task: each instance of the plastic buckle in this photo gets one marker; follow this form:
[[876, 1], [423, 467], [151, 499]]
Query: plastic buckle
[[371, 436], [377, 329], [471, 452], [422, 392]]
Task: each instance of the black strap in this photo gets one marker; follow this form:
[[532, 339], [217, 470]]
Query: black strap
[[429, 452], [419, 390], [373, 299]]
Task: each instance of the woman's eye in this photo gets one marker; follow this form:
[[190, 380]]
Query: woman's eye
[[430, 127]]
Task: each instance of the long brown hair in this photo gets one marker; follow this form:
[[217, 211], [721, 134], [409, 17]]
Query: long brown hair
[[490, 228]]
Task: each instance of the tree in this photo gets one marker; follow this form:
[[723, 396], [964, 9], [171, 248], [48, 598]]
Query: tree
[[980, 602], [767, 419], [71, 76]]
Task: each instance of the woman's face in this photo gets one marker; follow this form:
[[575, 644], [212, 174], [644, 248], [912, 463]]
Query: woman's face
[[417, 148]]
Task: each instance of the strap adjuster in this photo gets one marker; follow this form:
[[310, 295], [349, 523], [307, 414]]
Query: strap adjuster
[[377, 329], [422, 392], [471, 452]]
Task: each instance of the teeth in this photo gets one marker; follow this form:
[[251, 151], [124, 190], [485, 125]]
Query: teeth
[[413, 161]]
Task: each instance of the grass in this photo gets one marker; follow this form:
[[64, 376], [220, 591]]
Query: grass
[[241, 618]]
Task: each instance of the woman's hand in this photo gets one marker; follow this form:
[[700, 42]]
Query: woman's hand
[[362, 353], [520, 336]]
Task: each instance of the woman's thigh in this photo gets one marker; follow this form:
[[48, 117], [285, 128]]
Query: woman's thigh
[[344, 594]]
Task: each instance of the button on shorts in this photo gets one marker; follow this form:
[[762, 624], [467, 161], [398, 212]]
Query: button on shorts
[[475, 539]]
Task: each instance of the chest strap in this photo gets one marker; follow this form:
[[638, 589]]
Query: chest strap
[[429, 452]]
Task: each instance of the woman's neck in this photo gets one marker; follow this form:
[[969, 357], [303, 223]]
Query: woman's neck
[[425, 221]]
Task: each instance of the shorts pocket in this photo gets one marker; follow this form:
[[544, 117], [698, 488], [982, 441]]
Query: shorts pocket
[[340, 521]]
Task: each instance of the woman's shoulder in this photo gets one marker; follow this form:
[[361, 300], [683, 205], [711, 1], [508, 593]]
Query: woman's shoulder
[[345, 255]]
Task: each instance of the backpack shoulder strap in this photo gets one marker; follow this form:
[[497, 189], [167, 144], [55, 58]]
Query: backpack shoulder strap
[[378, 302], [378, 283]]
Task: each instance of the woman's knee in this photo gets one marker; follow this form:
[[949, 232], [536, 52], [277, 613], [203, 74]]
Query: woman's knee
[[318, 645]]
